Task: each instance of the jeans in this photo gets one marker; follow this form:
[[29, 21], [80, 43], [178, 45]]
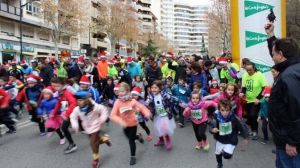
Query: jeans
[[285, 161]]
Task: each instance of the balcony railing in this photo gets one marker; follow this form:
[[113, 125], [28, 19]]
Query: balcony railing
[[4, 7]]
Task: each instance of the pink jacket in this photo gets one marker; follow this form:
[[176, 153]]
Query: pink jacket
[[236, 101], [202, 106], [92, 121]]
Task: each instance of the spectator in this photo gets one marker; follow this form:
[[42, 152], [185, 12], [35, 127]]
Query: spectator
[[46, 73], [180, 69]]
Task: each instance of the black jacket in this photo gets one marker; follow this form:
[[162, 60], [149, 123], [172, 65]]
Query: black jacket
[[284, 104], [75, 72], [180, 71], [46, 74], [152, 74], [125, 76], [232, 138]]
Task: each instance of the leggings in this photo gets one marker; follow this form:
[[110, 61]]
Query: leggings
[[264, 128], [144, 126], [65, 128], [199, 130], [252, 111], [6, 119], [36, 119], [225, 155], [130, 133], [58, 131]]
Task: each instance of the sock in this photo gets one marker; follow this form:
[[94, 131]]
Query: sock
[[168, 139], [95, 156], [219, 159]]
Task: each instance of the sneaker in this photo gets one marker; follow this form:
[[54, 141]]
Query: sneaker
[[181, 125], [62, 141], [159, 143], [105, 139], [220, 166], [43, 134], [140, 136], [264, 142], [197, 146], [206, 146], [149, 138], [254, 136], [132, 160], [49, 134], [168, 145], [71, 148], [11, 131], [95, 163]]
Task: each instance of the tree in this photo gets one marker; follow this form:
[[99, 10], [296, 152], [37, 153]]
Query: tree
[[293, 19], [67, 18], [150, 49], [219, 27]]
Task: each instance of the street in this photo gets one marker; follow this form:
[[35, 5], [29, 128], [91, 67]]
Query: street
[[26, 149]]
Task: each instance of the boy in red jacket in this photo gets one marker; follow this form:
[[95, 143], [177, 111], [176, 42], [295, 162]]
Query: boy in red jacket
[[4, 112], [66, 102]]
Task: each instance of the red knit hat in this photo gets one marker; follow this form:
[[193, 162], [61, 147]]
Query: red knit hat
[[267, 91], [49, 89], [33, 78], [23, 62], [80, 60], [223, 60], [129, 59], [85, 80], [117, 87], [137, 91]]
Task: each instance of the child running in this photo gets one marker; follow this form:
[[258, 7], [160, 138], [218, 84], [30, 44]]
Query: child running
[[263, 114], [197, 110], [225, 128], [160, 104], [45, 108], [123, 113], [92, 116], [136, 94]]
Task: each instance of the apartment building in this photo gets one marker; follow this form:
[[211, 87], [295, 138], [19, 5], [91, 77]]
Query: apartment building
[[147, 18]]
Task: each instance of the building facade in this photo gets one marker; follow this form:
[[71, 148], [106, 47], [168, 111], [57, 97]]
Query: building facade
[[185, 26]]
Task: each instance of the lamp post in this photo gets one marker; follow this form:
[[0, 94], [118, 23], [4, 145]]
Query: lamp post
[[20, 24]]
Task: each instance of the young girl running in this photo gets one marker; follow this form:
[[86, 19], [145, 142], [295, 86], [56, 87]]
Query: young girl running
[[45, 108], [123, 113], [197, 110], [160, 104], [225, 128], [136, 94], [92, 116]]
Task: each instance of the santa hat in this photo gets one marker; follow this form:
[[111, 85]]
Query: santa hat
[[65, 53], [23, 62], [85, 80], [49, 89], [53, 60], [118, 55], [137, 91], [267, 91], [14, 61], [110, 62], [117, 87], [33, 78], [223, 60], [169, 55], [33, 60], [129, 60], [214, 81], [102, 55], [80, 60], [115, 61]]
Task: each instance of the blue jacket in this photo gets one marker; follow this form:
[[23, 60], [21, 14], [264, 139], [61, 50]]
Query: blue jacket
[[33, 94], [27, 71], [263, 113], [46, 106], [94, 94], [181, 92], [203, 80], [134, 69]]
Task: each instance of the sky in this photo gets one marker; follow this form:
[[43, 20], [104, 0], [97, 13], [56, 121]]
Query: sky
[[196, 2]]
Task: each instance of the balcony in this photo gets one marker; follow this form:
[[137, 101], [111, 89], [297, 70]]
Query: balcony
[[9, 9]]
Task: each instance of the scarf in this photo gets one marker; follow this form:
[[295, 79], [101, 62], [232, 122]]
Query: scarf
[[196, 106], [125, 98], [222, 119], [84, 109]]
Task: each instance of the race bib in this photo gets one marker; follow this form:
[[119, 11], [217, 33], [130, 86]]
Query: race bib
[[182, 91], [160, 110], [197, 114], [64, 106], [124, 109], [225, 128]]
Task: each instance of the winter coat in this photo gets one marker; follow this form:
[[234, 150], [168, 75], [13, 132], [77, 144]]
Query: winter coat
[[91, 121], [180, 71], [102, 69], [263, 113], [125, 77], [203, 80], [46, 106], [134, 69], [152, 74], [181, 92], [168, 72], [108, 91], [31, 96], [75, 72], [94, 94], [200, 111], [27, 71], [236, 103], [46, 74], [112, 71], [4, 98], [66, 102]]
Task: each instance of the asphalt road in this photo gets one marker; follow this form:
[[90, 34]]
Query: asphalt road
[[26, 149]]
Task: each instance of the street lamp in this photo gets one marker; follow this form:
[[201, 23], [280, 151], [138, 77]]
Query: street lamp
[[20, 22]]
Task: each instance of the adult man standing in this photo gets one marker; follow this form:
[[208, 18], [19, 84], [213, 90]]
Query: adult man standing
[[46, 73], [284, 104]]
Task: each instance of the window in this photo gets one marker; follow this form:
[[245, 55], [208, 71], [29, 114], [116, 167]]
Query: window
[[32, 8]]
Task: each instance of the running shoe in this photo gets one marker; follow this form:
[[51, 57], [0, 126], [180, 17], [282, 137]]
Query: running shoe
[[168, 145], [206, 146], [11, 131], [140, 138], [62, 141], [132, 160], [220, 166], [149, 138], [105, 139], [181, 125], [159, 143], [95, 163], [49, 134], [71, 148], [197, 146], [43, 134]]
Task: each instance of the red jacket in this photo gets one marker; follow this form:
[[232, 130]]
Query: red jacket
[[4, 98], [71, 101], [22, 96]]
